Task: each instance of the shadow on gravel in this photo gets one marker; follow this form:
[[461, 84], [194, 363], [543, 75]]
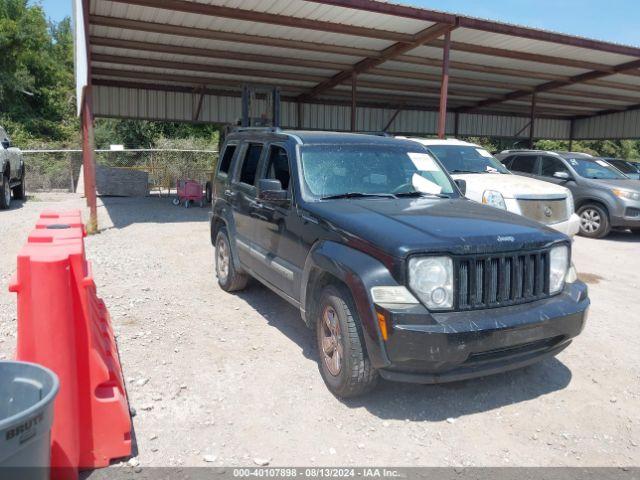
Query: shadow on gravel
[[281, 315], [434, 403], [125, 211], [624, 236], [414, 402]]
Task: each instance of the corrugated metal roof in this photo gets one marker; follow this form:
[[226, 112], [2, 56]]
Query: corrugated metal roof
[[300, 44]]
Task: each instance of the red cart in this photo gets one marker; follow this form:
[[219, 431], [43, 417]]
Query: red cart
[[189, 192]]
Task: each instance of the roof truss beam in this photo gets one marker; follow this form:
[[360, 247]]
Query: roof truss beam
[[269, 18], [427, 35], [546, 87]]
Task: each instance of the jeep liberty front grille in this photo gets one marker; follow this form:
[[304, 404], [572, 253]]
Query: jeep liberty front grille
[[496, 280]]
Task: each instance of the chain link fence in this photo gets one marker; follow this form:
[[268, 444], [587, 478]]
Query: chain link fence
[[60, 170]]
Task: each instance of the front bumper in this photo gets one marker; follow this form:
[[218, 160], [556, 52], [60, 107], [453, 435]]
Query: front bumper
[[444, 347]]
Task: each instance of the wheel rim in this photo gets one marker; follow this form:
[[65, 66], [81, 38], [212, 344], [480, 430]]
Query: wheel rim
[[7, 191], [331, 341], [222, 260], [590, 220]]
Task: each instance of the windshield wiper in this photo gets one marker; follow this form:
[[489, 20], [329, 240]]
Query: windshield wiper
[[421, 194], [466, 171], [358, 195]]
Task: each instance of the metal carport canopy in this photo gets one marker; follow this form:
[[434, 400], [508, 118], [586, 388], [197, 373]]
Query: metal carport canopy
[[183, 60]]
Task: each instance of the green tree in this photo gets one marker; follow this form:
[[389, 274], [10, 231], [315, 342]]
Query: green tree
[[36, 74]]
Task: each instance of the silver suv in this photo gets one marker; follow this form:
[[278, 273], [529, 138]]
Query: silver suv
[[11, 171], [604, 197]]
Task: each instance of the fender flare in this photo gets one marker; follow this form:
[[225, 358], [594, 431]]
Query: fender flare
[[359, 272], [223, 214]]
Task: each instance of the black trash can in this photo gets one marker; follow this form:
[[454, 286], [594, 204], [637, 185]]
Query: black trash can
[[27, 392]]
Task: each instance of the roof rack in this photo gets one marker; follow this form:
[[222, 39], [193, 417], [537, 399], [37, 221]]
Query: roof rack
[[257, 129]]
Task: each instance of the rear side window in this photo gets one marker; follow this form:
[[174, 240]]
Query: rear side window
[[225, 163], [552, 165], [524, 163], [250, 164]]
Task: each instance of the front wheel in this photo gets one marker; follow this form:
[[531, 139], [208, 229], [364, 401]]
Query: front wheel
[[344, 364], [594, 221]]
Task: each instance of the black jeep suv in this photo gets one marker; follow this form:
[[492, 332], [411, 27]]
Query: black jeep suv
[[399, 275]]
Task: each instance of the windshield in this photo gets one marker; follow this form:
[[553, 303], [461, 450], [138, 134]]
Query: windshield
[[467, 159], [379, 170], [595, 169], [624, 167]]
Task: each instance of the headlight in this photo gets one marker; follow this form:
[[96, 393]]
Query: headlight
[[570, 204], [628, 194], [493, 199], [431, 279], [559, 264]]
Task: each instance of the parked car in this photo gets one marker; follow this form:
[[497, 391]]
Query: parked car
[[397, 272], [605, 198], [490, 183], [630, 169], [12, 170]]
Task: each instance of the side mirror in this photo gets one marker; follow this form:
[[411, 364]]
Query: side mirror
[[6, 143], [562, 176], [462, 185], [270, 190]]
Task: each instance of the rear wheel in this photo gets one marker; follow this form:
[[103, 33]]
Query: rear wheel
[[229, 278], [208, 192], [594, 221], [5, 193], [19, 190], [344, 364]]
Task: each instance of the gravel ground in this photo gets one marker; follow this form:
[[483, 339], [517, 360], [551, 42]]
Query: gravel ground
[[221, 379]]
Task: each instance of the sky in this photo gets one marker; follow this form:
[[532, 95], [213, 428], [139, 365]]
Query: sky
[[613, 20]]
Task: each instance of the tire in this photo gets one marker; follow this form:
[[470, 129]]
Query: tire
[[5, 193], [594, 221], [176, 201], [208, 192], [352, 374], [229, 279], [19, 191]]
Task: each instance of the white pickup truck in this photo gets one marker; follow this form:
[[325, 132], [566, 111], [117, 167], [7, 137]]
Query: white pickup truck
[[490, 183], [12, 171]]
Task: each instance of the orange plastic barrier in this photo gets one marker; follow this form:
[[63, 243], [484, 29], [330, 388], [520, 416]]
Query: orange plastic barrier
[[63, 325]]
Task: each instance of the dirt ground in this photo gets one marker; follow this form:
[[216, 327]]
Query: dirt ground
[[221, 379]]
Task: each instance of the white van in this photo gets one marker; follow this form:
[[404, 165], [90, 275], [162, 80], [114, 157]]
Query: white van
[[490, 183]]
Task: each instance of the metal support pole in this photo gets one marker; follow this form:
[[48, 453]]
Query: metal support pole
[[276, 107], [245, 106], [532, 129], [444, 87], [88, 160], [354, 107], [571, 126]]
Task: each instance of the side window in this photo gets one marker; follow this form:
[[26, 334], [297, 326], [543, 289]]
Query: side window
[[225, 163], [278, 166], [552, 165], [524, 163], [250, 164]]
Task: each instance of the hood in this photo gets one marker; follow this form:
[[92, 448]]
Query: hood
[[409, 225], [511, 186], [626, 183]]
